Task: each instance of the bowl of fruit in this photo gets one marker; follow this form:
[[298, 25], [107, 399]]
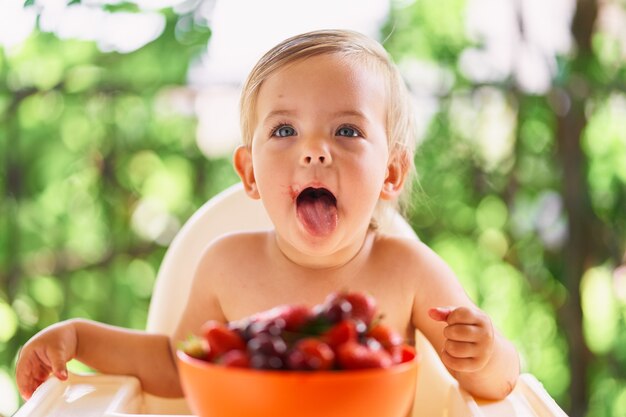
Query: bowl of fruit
[[335, 359]]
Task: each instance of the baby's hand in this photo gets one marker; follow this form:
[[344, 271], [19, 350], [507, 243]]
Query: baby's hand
[[469, 337], [47, 352]]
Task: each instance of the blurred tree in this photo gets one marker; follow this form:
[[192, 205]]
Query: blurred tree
[[99, 167], [522, 182], [543, 197]]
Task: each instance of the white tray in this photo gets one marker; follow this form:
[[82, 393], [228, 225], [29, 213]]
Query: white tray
[[120, 396]]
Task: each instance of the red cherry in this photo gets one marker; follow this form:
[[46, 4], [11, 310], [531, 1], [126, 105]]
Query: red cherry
[[274, 321], [273, 327], [335, 308], [267, 351]]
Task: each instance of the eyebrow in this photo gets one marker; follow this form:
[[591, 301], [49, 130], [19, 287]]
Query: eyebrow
[[355, 113], [341, 113], [275, 113]]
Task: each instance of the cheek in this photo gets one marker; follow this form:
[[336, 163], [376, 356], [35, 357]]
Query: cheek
[[372, 167], [268, 153], [367, 179], [271, 174], [263, 162]]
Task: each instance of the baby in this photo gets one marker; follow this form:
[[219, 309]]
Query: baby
[[327, 139]]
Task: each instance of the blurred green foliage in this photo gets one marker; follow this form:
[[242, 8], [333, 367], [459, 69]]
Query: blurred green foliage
[[84, 146], [83, 141], [498, 224]]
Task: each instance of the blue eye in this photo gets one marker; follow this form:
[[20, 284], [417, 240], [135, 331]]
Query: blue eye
[[348, 131], [284, 131]]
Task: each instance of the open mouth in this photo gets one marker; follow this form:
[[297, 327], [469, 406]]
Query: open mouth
[[315, 194], [317, 210]]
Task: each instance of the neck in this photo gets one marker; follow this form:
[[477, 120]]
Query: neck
[[340, 259]]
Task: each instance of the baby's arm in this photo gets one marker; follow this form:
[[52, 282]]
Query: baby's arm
[[107, 349], [119, 351], [484, 362]]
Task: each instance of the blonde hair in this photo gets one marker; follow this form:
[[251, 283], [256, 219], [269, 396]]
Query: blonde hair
[[350, 45]]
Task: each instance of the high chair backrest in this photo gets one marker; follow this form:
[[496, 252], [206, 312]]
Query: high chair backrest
[[230, 211]]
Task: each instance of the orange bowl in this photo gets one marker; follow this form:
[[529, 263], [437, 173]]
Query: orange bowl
[[218, 391]]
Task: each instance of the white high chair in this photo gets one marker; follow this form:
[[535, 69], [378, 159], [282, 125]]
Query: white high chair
[[437, 394], [232, 210]]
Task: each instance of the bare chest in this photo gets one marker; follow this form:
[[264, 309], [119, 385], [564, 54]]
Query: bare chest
[[251, 289]]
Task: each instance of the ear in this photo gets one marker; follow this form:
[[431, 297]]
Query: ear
[[242, 160], [397, 171]]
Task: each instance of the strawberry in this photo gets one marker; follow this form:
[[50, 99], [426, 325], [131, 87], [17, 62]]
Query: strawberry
[[311, 354], [276, 320], [386, 336], [342, 332], [371, 343], [401, 353], [363, 306], [352, 355], [221, 339], [196, 348], [295, 317], [235, 359]]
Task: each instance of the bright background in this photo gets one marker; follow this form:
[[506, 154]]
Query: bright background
[[117, 121]]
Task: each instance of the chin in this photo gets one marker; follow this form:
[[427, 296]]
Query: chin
[[317, 245]]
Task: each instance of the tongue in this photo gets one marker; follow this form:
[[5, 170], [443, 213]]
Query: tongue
[[318, 215]]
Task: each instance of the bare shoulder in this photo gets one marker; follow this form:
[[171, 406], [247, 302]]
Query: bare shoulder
[[218, 265], [231, 256], [427, 276], [414, 255], [237, 239], [421, 270], [232, 247]]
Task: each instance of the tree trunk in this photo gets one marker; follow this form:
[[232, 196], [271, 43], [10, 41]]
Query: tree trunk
[[577, 253]]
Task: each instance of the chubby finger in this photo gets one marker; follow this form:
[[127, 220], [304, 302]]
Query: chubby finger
[[30, 373], [32, 385], [26, 390], [471, 364], [464, 315], [25, 386], [460, 350], [57, 365], [440, 313], [464, 333]]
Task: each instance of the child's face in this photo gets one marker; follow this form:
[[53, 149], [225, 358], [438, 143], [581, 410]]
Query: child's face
[[319, 157]]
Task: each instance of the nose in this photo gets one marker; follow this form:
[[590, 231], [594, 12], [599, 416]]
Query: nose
[[315, 152]]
